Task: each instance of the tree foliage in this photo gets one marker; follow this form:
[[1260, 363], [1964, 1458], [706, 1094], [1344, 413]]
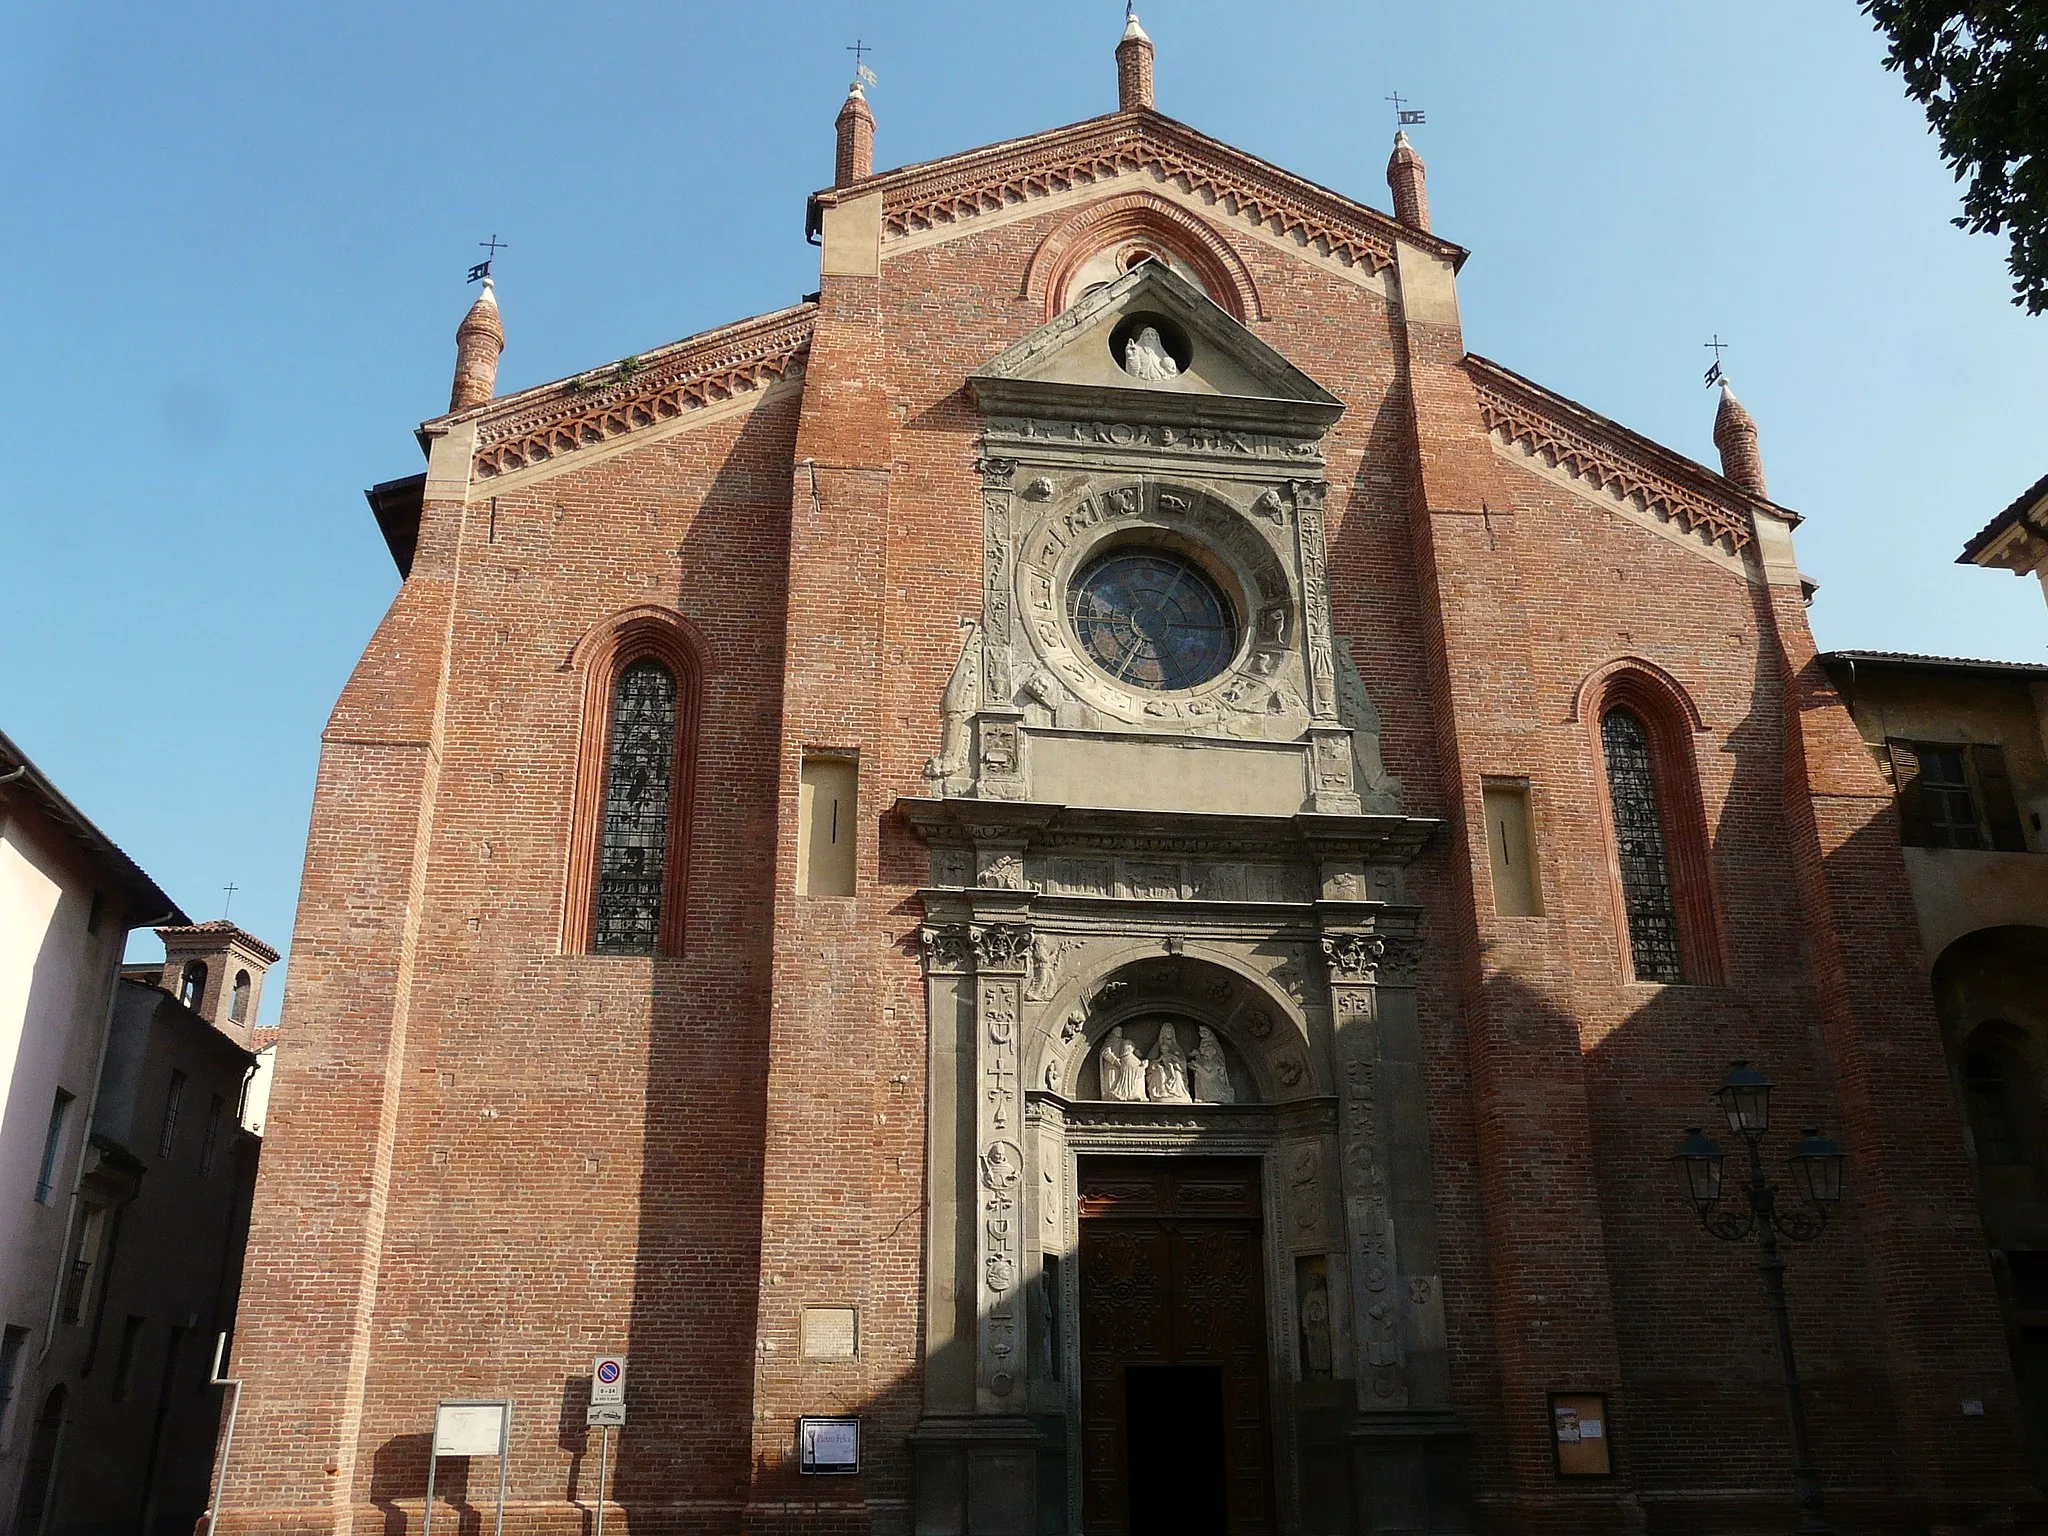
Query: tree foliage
[[1980, 68]]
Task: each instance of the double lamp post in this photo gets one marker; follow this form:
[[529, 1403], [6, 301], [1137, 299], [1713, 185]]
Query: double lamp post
[[1816, 1165]]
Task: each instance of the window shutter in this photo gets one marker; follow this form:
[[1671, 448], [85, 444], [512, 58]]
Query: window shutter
[[2001, 812], [1914, 830]]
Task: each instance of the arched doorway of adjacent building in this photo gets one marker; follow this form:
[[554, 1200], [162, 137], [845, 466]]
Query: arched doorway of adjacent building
[[1991, 989]]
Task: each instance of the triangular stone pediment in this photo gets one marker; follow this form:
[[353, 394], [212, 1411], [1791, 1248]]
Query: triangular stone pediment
[[1153, 347]]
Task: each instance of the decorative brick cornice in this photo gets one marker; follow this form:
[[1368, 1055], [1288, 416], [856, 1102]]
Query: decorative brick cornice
[[545, 423], [1518, 413], [960, 188]]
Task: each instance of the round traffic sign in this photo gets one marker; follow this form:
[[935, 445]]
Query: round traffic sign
[[608, 1371]]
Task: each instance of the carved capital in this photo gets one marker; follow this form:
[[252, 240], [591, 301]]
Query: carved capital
[[1002, 946], [997, 471], [1372, 959], [1352, 957], [948, 948]]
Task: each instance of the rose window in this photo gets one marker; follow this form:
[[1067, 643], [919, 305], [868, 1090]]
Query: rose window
[[1152, 619]]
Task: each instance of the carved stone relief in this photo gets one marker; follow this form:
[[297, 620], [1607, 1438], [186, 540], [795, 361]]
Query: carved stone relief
[[1379, 792], [950, 769]]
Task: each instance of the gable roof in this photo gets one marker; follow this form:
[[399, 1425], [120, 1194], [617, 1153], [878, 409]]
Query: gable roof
[[955, 188]]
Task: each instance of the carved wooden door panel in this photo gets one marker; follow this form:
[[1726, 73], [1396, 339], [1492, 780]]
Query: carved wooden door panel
[[1171, 1277]]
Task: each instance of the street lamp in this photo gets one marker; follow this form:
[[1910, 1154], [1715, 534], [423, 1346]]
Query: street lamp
[[1816, 1164]]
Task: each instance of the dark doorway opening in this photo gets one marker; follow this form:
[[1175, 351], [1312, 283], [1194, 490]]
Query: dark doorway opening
[[1174, 1415], [1174, 1430]]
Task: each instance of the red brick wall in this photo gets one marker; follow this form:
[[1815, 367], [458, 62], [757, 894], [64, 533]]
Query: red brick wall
[[574, 1140], [588, 1153]]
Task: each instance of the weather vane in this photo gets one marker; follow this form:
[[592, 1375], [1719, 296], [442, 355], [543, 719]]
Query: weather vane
[[1717, 346], [862, 75], [1408, 117], [482, 269]]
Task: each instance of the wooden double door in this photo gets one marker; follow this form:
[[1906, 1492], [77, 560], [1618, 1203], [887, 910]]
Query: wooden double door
[[1175, 1434]]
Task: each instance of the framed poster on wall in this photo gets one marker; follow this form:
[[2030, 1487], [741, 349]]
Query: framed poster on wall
[[1580, 1434]]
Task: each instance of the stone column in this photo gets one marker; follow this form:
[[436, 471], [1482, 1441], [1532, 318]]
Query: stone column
[[1407, 1445], [976, 1453]]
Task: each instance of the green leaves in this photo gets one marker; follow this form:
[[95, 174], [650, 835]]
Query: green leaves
[[1980, 68]]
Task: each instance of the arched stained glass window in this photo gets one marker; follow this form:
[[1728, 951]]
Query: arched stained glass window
[[1639, 840], [633, 842]]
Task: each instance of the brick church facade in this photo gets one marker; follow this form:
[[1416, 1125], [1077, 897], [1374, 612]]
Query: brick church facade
[[1102, 851]]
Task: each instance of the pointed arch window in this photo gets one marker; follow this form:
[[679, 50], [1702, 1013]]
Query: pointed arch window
[[633, 845], [1639, 841], [1642, 726], [630, 844]]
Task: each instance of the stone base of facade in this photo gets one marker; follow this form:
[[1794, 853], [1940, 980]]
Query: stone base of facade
[[987, 1476], [1389, 1474]]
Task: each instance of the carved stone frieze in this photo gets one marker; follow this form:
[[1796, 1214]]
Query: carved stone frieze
[[1024, 432]]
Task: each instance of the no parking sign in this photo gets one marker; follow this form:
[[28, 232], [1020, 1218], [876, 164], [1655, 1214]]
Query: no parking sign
[[608, 1390]]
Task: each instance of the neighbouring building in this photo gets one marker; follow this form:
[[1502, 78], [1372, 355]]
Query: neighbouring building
[[1965, 747], [2017, 539], [128, 1206], [1099, 864], [68, 898]]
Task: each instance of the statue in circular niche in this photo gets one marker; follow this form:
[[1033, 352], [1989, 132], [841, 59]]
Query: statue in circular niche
[[1126, 1075], [1146, 357]]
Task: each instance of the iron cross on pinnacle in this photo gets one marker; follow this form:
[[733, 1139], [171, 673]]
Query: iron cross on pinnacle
[[482, 269], [1717, 346], [862, 75]]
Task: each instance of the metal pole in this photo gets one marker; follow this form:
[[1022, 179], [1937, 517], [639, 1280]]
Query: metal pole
[[227, 1440], [604, 1455], [427, 1521], [1805, 1479]]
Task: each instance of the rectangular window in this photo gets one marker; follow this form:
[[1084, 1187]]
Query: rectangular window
[[827, 821], [1953, 795], [1511, 850], [53, 1148], [168, 1138], [124, 1360], [210, 1144], [12, 1343]]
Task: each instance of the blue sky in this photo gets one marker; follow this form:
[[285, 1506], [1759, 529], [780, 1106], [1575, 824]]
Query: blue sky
[[236, 237]]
